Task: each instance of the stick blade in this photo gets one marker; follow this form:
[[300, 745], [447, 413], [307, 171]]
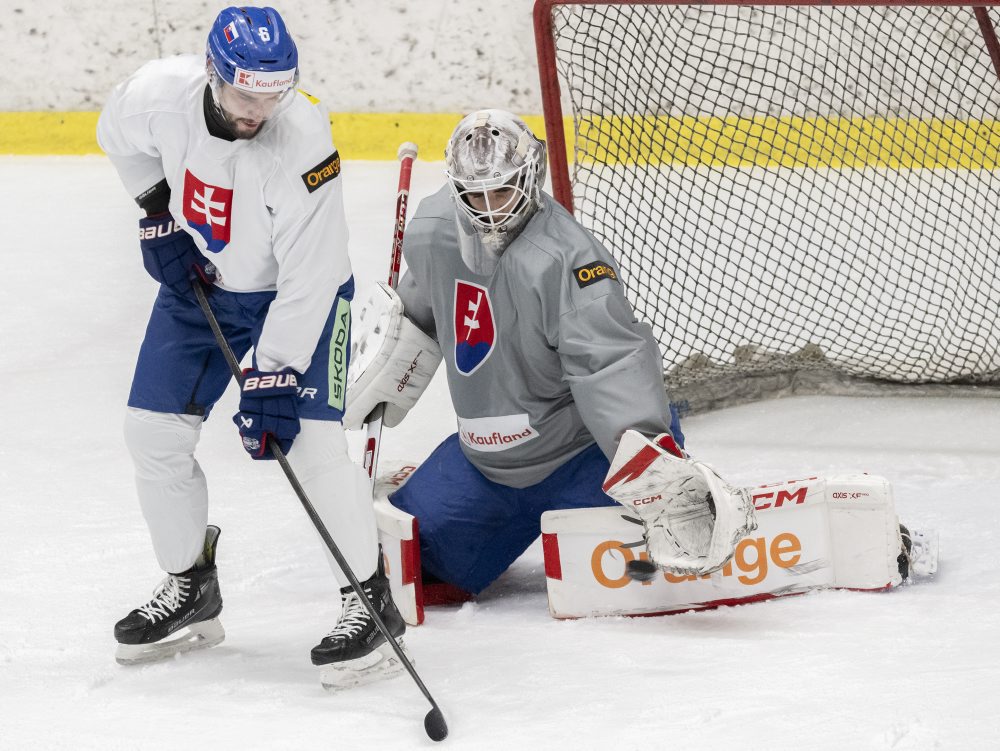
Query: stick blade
[[434, 724]]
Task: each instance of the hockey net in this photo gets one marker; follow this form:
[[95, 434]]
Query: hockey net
[[799, 196]]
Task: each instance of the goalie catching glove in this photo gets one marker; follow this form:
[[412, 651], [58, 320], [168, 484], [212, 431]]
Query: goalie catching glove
[[692, 520], [392, 360]]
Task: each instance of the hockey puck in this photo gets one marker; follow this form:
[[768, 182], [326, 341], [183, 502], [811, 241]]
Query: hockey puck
[[641, 570]]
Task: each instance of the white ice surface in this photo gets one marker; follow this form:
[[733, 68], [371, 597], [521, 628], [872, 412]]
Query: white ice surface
[[915, 668]]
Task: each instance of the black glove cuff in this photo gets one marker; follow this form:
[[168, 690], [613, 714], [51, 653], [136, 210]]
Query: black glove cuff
[[155, 200]]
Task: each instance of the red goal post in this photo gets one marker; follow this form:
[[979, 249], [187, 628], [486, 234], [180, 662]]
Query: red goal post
[[801, 194]]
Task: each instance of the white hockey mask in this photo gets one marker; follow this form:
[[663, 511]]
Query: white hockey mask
[[495, 168]]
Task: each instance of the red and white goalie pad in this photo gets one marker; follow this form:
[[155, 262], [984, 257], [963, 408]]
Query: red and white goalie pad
[[392, 360], [817, 533], [839, 532], [399, 537]]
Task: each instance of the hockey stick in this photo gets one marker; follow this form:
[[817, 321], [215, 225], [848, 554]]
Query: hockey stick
[[434, 722], [407, 154]]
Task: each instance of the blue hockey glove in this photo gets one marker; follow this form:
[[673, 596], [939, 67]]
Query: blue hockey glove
[[170, 255], [269, 410]]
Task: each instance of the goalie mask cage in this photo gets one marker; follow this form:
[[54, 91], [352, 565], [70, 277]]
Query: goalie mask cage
[[802, 197]]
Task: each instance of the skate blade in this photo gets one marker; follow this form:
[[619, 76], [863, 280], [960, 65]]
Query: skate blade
[[200, 635], [379, 664]]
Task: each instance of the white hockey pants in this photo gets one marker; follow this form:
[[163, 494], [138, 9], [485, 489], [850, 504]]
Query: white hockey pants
[[173, 493]]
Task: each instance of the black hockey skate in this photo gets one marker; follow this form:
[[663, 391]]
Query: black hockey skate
[[356, 652], [188, 602]]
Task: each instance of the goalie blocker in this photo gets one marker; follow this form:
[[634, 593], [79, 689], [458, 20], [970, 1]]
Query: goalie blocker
[[837, 532], [392, 361]]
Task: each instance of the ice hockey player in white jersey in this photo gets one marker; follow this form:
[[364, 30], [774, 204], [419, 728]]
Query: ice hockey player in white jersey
[[237, 174], [550, 373]]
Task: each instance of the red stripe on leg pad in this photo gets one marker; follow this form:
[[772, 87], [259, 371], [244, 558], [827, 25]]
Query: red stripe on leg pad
[[550, 549], [411, 568], [409, 554]]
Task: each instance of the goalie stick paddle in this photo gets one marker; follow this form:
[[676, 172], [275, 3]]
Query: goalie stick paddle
[[434, 723], [407, 154]]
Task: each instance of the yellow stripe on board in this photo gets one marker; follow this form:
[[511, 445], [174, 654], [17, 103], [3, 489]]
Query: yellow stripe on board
[[376, 136], [370, 136], [690, 141], [791, 142], [48, 133]]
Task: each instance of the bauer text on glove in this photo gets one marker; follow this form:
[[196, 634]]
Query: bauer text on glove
[[170, 255], [269, 411]]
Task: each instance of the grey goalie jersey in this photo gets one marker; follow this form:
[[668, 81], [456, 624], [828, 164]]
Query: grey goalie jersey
[[543, 357]]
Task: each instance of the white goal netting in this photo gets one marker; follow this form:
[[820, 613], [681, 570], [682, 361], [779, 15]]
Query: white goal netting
[[793, 189]]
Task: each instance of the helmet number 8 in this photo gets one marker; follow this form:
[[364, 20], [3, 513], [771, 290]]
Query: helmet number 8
[[263, 34]]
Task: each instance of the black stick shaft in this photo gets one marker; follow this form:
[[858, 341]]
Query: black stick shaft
[[234, 366]]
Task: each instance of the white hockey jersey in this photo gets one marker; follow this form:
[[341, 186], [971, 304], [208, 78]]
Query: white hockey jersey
[[268, 211]]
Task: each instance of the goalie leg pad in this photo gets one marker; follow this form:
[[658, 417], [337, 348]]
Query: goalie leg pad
[[815, 533], [691, 517]]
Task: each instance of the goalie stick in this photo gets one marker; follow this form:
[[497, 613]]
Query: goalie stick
[[407, 154], [434, 723]]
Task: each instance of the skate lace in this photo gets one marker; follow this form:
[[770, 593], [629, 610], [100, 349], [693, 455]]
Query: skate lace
[[352, 619], [166, 598]]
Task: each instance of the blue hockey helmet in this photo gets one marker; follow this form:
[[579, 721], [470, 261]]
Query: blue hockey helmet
[[251, 50]]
